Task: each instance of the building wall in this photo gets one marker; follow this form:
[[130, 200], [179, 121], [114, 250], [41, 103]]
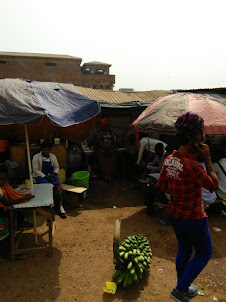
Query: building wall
[[64, 70]]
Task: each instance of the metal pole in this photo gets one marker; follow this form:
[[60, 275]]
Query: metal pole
[[29, 161]]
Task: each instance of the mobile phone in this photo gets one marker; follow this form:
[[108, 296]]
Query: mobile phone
[[196, 142]]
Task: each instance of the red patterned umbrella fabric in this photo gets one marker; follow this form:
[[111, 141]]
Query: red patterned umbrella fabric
[[161, 115]]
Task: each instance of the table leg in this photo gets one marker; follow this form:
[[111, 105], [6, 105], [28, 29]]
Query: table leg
[[50, 238], [51, 231], [35, 227], [12, 230], [124, 164]]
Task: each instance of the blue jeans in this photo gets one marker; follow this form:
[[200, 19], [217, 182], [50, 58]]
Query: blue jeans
[[191, 234]]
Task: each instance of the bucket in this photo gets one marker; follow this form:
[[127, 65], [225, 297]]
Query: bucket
[[3, 145], [81, 179]]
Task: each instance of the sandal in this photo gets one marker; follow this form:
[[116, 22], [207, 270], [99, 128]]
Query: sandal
[[3, 258], [63, 215]]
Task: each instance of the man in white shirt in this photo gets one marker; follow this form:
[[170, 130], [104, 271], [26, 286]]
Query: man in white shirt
[[220, 169], [147, 143]]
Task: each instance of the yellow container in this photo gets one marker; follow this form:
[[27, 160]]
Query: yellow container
[[62, 176], [27, 183], [110, 288]]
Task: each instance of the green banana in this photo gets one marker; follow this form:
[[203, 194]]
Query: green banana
[[134, 276], [136, 260], [125, 283], [130, 265], [121, 278], [122, 249], [135, 254], [121, 254], [126, 256], [116, 274], [130, 279]]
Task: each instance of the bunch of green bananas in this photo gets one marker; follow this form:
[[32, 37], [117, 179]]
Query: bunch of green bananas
[[135, 258]]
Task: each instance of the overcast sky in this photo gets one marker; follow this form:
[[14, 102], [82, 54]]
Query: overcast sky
[[161, 44]]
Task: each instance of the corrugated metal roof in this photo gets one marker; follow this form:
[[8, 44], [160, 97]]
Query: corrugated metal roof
[[38, 55], [150, 96], [117, 97], [97, 63]]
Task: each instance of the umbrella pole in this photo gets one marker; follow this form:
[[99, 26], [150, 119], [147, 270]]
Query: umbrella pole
[[29, 160]]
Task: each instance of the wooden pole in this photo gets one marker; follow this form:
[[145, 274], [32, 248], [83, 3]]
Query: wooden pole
[[29, 161], [116, 240]]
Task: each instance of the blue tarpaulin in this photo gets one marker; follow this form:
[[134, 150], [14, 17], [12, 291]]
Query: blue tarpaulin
[[25, 102]]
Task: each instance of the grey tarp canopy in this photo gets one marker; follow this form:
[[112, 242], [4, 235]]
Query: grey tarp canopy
[[30, 102]]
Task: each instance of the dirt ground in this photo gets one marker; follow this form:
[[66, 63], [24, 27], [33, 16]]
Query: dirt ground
[[82, 258]]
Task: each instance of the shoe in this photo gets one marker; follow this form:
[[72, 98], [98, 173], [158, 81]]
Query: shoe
[[193, 291], [20, 257], [63, 215], [3, 259], [162, 222], [177, 297]]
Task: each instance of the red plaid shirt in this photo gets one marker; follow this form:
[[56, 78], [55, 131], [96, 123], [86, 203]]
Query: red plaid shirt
[[183, 177]]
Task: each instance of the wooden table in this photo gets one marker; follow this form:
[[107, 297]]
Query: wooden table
[[42, 202]]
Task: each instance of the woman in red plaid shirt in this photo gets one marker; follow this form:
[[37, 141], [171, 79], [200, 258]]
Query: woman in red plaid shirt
[[183, 177]]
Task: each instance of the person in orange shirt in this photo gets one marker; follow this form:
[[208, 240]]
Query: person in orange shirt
[[9, 197]]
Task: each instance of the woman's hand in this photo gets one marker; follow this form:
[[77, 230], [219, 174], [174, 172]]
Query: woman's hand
[[203, 151], [28, 197]]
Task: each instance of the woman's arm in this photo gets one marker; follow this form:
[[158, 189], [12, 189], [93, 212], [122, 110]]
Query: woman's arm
[[55, 163], [204, 152], [8, 203], [35, 167]]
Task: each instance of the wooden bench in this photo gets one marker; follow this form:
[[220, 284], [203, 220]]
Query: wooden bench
[[216, 202], [74, 193]]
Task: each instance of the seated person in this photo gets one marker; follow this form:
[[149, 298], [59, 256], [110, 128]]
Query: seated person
[[9, 197], [105, 149], [45, 169], [147, 143], [156, 165], [152, 193], [220, 168]]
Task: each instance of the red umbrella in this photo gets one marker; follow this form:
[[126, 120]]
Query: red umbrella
[[161, 115]]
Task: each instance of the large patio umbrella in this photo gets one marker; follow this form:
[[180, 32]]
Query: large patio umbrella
[[45, 109], [162, 114]]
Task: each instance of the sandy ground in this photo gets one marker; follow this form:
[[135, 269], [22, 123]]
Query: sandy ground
[[82, 258]]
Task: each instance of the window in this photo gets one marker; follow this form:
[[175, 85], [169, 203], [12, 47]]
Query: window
[[99, 71], [51, 64], [2, 62]]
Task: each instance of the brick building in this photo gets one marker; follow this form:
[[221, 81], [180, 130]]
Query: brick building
[[56, 68]]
